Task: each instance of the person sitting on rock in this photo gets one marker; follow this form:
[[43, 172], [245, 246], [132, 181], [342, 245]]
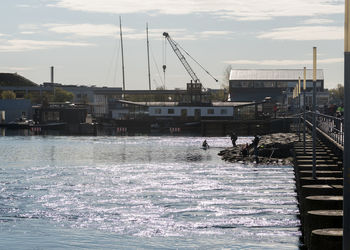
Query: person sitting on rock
[[205, 144], [244, 150]]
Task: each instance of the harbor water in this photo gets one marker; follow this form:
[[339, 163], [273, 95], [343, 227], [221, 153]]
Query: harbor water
[[140, 192]]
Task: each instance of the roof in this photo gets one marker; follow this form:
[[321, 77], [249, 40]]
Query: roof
[[175, 104], [9, 79], [149, 103], [231, 104], [274, 74]]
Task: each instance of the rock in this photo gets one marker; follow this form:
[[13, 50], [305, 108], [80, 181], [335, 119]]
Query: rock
[[273, 148]]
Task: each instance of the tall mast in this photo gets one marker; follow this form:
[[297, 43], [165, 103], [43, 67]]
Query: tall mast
[[149, 69], [121, 43]]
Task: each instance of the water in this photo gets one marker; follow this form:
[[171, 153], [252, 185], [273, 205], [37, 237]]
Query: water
[[140, 192]]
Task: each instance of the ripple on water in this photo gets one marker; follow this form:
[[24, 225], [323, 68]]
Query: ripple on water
[[151, 187]]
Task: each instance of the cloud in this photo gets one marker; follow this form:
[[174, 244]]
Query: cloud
[[16, 45], [15, 69], [109, 30], [318, 21], [106, 30], [28, 32], [29, 29], [235, 9], [87, 30], [284, 62], [23, 6], [305, 33], [215, 33]]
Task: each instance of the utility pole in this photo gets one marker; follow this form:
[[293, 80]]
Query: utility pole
[[314, 114], [346, 155]]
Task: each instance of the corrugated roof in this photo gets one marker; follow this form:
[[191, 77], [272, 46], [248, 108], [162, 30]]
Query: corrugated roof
[[273, 74], [175, 104]]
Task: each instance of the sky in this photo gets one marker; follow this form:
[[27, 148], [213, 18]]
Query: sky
[[81, 39]]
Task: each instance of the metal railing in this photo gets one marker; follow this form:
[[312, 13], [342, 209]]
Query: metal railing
[[330, 125]]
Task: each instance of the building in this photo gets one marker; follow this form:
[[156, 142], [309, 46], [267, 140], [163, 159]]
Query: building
[[60, 113], [247, 85], [11, 110], [85, 94]]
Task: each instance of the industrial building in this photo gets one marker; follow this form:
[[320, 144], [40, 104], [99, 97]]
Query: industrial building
[[248, 85]]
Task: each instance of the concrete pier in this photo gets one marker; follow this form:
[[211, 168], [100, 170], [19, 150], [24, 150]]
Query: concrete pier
[[318, 219], [320, 199], [328, 238]]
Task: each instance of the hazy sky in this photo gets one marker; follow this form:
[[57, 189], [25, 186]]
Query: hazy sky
[[80, 38]]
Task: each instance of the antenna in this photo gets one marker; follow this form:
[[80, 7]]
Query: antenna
[[149, 69], [121, 43]]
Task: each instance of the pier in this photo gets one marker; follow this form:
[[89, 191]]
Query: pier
[[319, 184]]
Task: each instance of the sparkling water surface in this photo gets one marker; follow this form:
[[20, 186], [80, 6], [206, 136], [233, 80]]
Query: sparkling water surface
[[140, 192]]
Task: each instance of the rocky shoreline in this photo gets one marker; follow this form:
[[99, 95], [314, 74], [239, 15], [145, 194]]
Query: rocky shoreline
[[272, 149]]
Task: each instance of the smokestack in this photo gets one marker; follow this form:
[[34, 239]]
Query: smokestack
[[52, 71], [315, 64]]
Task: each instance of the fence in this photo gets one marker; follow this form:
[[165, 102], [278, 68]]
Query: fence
[[330, 125]]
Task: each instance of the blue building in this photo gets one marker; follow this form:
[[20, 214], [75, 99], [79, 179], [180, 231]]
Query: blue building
[[14, 109]]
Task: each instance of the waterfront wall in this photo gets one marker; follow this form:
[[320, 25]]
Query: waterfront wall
[[321, 198]]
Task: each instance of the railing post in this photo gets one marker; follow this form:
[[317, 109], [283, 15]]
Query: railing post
[[304, 97], [314, 117]]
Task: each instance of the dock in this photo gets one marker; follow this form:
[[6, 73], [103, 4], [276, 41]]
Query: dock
[[320, 199]]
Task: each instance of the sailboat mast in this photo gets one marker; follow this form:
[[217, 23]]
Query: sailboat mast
[[149, 69], [122, 48]]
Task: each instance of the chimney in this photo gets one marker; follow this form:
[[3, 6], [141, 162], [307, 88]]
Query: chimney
[[52, 71]]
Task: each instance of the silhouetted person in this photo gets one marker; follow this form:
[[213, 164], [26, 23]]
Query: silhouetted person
[[244, 150], [255, 144], [205, 144], [233, 139]]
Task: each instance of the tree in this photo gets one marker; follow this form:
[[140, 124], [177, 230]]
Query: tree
[[337, 94], [219, 96], [226, 79], [62, 95], [8, 94]]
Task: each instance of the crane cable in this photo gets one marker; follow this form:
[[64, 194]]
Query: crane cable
[[114, 63], [164, 59], [196, 61], [156, 65]]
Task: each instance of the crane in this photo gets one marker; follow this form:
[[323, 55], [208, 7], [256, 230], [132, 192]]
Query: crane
[[176, 47]]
